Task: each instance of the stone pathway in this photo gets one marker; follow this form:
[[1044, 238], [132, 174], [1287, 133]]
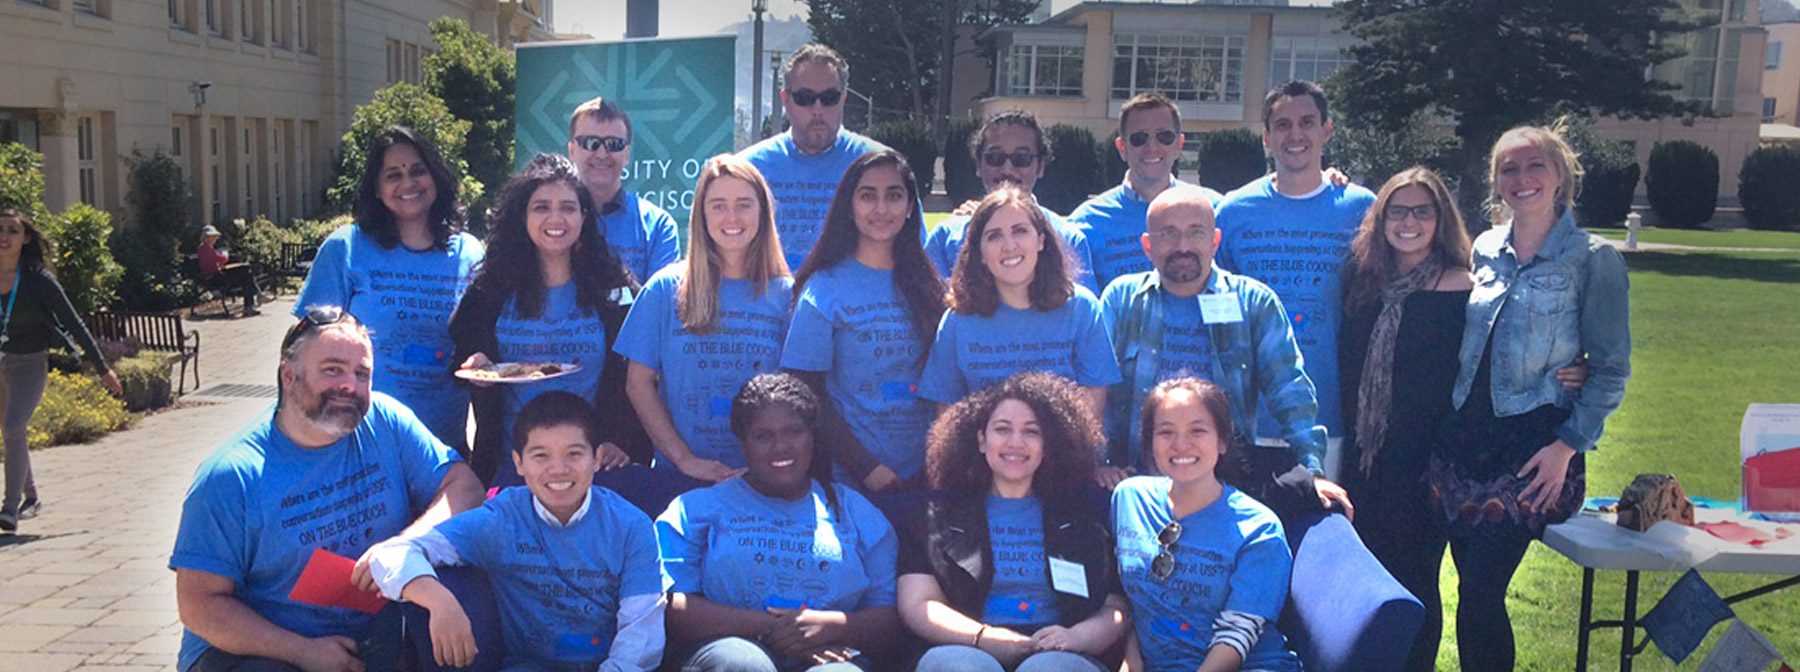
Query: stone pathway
[[85, 585]]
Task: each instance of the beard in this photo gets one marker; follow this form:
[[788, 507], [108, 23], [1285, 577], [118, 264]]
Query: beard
[[333, 411], [1182, 267]]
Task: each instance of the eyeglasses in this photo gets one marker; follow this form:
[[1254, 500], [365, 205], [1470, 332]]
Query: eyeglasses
[[612, 143], [1164, 564], [1164, 137], [997, 158], [806, 97], [1423, 213], [316, 317], [1193, 235]]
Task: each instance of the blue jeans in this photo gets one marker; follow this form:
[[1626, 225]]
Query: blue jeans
[[736, 654], [960, 658], [1485, 562]]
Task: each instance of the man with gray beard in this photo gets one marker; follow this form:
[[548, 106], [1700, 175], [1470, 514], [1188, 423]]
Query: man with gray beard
[[332, 467]]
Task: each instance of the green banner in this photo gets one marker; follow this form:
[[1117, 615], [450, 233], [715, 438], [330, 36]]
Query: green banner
[[679, 94]]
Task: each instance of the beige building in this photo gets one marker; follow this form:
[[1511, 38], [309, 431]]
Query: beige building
[[250, 96], [1217, 58], [1781, 66]]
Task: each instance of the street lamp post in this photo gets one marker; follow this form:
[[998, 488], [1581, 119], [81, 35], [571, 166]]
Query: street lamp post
[[758, 6]]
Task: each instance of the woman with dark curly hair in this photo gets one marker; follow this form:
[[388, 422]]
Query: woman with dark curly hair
[[401, 268], [1205, 565], [1012, 567], [550, 290], [1013, 308], [868, 304], [781, 569]]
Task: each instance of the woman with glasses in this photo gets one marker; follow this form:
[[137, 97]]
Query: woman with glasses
[[1012, 567], [402, 267], [781, 569], [706, 324], [550, 290], [37, 317], [1014, 307], [1546, 293], [868, 308], [1204, 565]]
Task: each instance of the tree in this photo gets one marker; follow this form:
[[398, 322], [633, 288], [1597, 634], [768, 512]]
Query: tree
[[1766, 187], [1682, 184], [475, 79], [401, 105], [896, 47], [1489, 65], [22, 181]]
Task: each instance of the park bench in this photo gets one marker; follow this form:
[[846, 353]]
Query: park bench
[[162, 332], [295, 261]]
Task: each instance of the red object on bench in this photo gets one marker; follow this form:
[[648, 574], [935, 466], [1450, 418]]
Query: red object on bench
[[1772, 481]]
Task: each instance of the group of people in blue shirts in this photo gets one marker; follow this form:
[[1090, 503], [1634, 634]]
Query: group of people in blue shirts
[[1012, 442]]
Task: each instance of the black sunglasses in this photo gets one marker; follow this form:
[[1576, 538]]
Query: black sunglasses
[[1164, 564], [612, 143], [1139, 138], [997, 158], [806, 97], [316, 317]]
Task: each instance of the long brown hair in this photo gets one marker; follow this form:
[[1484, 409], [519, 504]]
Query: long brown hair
[[697, 300], [973, 289], [35, 253], [1372, 262]]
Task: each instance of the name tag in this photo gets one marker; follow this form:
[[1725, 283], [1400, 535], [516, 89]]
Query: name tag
[[1068, 577], [1221, 308]]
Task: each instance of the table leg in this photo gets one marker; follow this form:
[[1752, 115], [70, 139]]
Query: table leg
[[1585, 629], [1628, 627]]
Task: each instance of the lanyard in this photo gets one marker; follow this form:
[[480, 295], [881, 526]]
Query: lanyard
[[6, 322]]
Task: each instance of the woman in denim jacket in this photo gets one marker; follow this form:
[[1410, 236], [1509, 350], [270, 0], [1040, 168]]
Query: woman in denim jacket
[[1546, 293]]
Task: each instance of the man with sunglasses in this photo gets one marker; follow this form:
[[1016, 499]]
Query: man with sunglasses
[[642, 234], [1149, 143], [805, 164], [1009, 150], [332, 467], [1291, 229]]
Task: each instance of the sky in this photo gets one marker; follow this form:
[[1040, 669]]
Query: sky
[[605, 20]]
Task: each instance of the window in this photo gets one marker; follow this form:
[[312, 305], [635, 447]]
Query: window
[[175, 141], [86, 168], [395, 68], [175, 13], [412, 64], [246, 22], [1308, 58], [273, 12], [302, 25], [19, 126], [88, 6], [1710, 52], [1184, 67], [303, 162], [218, 186], [1768, 110], [1043, 70], [213, 20], [249, 184], [275, 171], [1772, 56]]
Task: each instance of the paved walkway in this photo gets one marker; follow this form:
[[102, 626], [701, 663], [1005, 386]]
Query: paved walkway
[[85, 585]]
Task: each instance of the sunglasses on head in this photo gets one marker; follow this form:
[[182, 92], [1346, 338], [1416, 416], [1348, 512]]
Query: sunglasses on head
[[592, 143], [316, 317], [997, 158], [1140, 138], [1164, 564], [806, 97]]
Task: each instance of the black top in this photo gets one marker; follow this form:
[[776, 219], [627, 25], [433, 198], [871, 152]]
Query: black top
[[1424, 378], [43, 318]]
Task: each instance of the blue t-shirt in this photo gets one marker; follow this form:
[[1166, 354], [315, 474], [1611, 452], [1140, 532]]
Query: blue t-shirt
[[1297, 247], [642, 234], [1231, 557], [973, 352], [945, 242], [260, 505], [562, 333], [1021, 594], [1115, 222], [701, 373], [740, 548], [803, 184], [405, 297], [559, 588], [851, 322]]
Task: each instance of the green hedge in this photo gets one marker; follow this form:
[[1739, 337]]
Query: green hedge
[[1683, 183], [960, 182], [1231, 158], [1769, 188], [912, 139], [1074, 169], [146, 380]]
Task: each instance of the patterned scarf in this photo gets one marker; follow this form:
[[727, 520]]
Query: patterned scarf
[[1376, 393]]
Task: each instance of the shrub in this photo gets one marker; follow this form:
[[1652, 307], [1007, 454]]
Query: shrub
[[1230, 159], [145, 377], [1683, 183], [960, 181], [1111, 166], [149, 251], [22, 181], [474, 77], [1608, 185], [1074, 169], [84, 263], [75, 409], [1769, 187], [913, 140], [402, 105]]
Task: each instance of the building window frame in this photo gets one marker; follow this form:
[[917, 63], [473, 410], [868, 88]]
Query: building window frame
[[1044, 70], [1768, 110], [215, 20], [1772, 56], [1308, 57], [1186, 67], [87, 168]]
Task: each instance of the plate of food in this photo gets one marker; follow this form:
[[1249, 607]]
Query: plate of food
[[517, 372]]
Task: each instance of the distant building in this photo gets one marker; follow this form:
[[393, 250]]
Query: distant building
[[89, 81], [1781, 63]]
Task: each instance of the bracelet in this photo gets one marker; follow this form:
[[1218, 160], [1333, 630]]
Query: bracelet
[[978, 634]]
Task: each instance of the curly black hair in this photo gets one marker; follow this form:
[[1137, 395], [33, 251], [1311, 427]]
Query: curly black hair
[[953, 460], [510, 266], [768, 390], [374, 218], [1231, 462]]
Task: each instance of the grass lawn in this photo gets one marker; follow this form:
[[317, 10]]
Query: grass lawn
[[1787, 240], [1712, 333]]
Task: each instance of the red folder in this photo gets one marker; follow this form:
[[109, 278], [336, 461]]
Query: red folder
[[1772, 481], [326, 582]]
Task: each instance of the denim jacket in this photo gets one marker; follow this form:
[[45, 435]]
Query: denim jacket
[[1569, 300], [1252, 358]]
